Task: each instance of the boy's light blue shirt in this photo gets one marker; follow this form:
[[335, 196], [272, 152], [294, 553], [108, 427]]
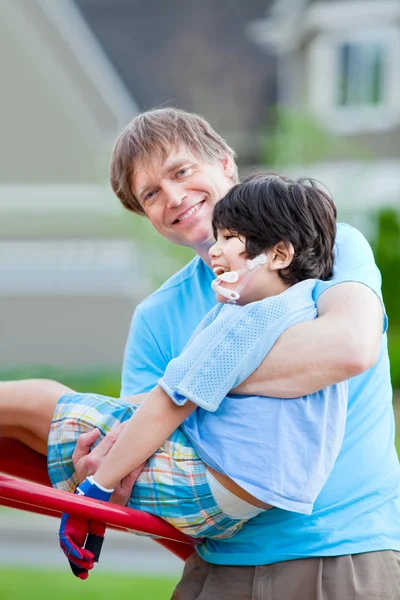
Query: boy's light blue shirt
[[239, 435], [358, 509]]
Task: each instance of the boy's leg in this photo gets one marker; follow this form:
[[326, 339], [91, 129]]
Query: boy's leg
[[27, 408]]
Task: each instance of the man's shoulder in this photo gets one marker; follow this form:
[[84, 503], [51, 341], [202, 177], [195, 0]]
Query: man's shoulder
[[183, 277], [351, 246], [180, 286], [347, 234]]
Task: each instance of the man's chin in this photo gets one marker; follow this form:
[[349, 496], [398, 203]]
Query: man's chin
[[197, 242]]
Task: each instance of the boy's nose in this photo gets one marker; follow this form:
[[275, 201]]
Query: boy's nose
[[214, 250]]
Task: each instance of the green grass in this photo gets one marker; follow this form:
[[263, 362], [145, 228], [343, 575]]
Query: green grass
[[20, 584], [106, 382]]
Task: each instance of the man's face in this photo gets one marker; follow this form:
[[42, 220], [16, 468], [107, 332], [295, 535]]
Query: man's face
[[178, 196]]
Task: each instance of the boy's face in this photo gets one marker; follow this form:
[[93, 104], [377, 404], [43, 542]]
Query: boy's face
[[229, 254], [178, 196]]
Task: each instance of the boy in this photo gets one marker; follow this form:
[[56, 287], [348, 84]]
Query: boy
[[272, 234]]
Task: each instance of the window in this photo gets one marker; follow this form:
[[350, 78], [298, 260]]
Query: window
[[361, 72], [354, 79]]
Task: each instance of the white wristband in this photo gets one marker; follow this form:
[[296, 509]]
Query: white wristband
[[92, 480]]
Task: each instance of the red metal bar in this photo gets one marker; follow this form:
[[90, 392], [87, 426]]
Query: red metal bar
[[39, 499], [17, 460]]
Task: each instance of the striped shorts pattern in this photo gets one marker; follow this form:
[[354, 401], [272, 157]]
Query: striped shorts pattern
[[173, 484]]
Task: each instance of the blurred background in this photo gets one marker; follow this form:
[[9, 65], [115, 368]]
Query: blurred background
[[303, 87]]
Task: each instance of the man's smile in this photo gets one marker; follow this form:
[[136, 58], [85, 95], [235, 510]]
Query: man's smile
[[184, 216]]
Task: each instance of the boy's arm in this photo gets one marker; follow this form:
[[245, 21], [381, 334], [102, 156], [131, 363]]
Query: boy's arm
[[210, 354], [154, 420], [152, 423], [144, 363], [342, 342]]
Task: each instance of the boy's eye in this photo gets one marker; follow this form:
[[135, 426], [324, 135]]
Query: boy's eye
[[182, 172]]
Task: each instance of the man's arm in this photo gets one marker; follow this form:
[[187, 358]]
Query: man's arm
[[342, 342]]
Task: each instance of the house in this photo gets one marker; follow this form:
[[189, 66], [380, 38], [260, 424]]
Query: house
[[340, 61], [69, 269], [74, 72]]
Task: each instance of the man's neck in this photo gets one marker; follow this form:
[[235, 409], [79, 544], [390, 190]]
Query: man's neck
[[202, 251], [204, 255]]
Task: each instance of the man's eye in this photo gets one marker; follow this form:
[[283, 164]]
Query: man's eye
[[149, 197], [182, 172]]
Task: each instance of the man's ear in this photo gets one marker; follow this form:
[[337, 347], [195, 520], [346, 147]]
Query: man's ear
[[281, 256], [228, 166]]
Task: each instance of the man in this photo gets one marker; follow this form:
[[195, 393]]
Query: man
[[172, 167]]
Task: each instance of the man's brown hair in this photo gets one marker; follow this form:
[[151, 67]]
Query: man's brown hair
[[151, 136]]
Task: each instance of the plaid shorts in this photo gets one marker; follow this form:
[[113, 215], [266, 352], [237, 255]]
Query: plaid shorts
[[173, 484]]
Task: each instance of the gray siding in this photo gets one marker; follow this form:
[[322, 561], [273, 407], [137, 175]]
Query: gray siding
[[67, 332]]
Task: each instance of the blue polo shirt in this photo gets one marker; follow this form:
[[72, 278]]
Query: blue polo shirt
[[358, 510]]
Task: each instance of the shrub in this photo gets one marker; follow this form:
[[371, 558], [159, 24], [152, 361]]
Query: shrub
[[387, 254]]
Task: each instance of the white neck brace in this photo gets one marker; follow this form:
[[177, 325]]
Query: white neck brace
[[232, 276]]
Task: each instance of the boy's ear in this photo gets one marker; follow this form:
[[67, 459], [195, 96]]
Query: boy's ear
[[281, 256]]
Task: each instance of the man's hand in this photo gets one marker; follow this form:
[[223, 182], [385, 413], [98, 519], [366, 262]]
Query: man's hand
[[86, 463]]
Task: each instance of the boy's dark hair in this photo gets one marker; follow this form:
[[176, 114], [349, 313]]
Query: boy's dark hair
[[269, 208]]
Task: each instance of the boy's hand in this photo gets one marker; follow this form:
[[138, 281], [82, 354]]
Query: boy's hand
[[74, 531], [86, 463]]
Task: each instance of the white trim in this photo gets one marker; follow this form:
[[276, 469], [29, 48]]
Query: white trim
[[50, 199], [288, 22], [357, 186], [88, 52], [71, 267], [60, 46], [323, 82], [286, 8], [278, 34], [334, 16]]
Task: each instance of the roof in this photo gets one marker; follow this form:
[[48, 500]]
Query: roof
[[193, 55], [289, 22], [62, 101]]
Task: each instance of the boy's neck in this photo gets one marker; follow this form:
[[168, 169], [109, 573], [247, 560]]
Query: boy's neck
[[273, 289]]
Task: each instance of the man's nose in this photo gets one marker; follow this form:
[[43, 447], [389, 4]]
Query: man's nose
[[174, 195]]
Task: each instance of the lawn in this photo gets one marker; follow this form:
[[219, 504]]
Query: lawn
[[17, 584]]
